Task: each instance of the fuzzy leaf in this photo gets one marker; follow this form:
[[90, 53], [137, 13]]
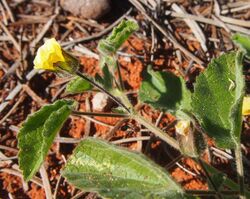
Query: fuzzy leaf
[[78, 85], [114, 172], [243, 41], [217, 99], [118, 36], [106, 80], [37, 134], [167, 92]]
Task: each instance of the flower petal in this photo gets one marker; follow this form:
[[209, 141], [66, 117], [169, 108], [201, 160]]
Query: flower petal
[[246, 106], [48, 54]]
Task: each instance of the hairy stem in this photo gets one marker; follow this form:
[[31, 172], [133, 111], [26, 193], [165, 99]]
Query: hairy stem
[[240, 171], [124, 99]]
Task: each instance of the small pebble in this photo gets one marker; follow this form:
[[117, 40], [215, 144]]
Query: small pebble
[[100, 102], [88, 9]]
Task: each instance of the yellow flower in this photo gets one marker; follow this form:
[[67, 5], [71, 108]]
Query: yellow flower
[[246, 106], [48, 54]]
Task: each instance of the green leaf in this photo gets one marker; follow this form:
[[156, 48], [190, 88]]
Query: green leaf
[[115, 172], [167, 92], [118, 36], [243, 41], [78, 85], [106, 80], [217, 99], [37, 134]]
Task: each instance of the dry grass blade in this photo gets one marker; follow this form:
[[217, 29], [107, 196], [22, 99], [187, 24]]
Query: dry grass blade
[[193, 26], [66, 140], [237, 22], [97, 35], [167, 34], [46, 184], [8, 10], [12, 109], [13, 40], [57, 186], [133, 139], [94, 120], [16, 90], [33, 95], [223, 25], [78, 195], [85, 51], [35, 179], [237, 9], [8, 148], [211, 21], [88, 122], [43, 32], [5, 21]]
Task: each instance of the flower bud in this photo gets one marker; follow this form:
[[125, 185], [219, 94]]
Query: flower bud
[[191, 141], [183, 127]]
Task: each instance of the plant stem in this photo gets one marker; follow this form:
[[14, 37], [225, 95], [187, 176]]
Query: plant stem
[[218, 195], [125, 104], [210, 193], [240, 171], [133, 115], [103, 90], [124, 99], [100, 114], [158, 132]]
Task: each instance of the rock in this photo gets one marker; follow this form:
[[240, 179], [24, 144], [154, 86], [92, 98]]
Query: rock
[[101, 102], [89, 9]]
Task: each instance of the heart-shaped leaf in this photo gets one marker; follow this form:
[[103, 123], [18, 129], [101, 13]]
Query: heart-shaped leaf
[[115, 172], [217, 99], [37, 134]]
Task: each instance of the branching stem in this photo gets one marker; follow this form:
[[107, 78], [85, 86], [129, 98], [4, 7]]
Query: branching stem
[[125, 103], [103, 90]]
